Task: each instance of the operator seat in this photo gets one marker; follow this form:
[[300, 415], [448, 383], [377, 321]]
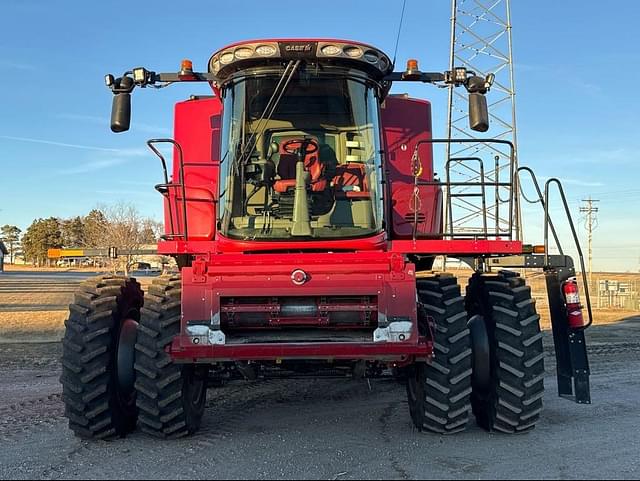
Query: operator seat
[[287, 170]]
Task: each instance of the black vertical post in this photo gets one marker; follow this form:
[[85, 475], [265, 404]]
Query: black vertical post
[[570, 344], [560, 332]]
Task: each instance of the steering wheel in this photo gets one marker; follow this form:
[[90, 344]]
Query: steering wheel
[[293, 146]]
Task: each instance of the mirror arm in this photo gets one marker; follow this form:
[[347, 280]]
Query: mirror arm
[[424, 77], [178, 77], [122, 87]]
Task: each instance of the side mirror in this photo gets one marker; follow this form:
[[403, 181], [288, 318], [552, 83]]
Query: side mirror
[[478, 112], [121, 112], [121, 107]]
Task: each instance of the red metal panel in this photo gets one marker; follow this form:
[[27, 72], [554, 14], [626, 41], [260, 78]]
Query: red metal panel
[[182, 350], [375, 274], [197, 130], [328, 262], [182, 247], [376, 242], [459, 247], [406, 122]]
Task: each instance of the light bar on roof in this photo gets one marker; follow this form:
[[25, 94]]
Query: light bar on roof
[[247, 54]]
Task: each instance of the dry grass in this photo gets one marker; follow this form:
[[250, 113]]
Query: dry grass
[[22, 318], [30, 326], [39, 298]]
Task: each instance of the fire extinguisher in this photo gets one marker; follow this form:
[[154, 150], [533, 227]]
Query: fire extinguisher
[[572, 301]]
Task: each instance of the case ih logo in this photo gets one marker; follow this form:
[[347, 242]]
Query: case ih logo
[[298, 48]]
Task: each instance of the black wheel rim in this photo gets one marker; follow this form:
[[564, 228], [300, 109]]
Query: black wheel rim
[[481, 353], [125, 360]]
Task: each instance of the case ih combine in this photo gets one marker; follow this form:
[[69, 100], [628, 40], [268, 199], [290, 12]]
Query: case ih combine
[[300, 207]]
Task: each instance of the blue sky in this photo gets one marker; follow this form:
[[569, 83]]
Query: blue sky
[[576, 66]]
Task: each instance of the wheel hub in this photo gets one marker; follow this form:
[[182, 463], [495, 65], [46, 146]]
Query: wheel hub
[[481, 353], [126, 356]]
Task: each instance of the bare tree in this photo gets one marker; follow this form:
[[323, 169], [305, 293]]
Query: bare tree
[[127, 230]]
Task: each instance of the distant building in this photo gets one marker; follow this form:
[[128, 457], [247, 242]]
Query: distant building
[[3, 252]]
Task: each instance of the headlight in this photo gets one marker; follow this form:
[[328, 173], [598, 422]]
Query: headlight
[[139, 75], [226, 57], [353, 52], [371, 57], [243, 52], [215, 65], [266, 50], [330, 50]]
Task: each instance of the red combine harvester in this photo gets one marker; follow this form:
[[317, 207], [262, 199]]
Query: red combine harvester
[[301, 206]]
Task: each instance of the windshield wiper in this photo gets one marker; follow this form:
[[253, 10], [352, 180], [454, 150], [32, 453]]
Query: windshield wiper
[[269, 110]]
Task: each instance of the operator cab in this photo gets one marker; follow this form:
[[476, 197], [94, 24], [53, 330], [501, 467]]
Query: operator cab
[[301, 139]]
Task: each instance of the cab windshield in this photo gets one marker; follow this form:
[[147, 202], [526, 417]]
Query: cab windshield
[[303, 162]]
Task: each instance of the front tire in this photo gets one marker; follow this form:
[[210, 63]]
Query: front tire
[[512, 400], [439, 391], [97, 402], [171, 398]]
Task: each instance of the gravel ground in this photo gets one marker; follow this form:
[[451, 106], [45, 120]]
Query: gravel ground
[[329, 429]]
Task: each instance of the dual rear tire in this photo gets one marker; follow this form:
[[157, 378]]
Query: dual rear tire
[[116, 371], [495, 369]]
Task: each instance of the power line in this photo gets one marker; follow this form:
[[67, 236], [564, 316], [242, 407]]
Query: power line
[[591, 223]]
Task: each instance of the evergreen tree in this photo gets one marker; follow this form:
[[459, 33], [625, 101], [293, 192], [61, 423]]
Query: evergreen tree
[[10, 235], [73, 232], [41, 235]]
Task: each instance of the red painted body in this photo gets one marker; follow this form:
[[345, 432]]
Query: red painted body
[[349, 284], [382, 278], [197, 130], [406, 122]]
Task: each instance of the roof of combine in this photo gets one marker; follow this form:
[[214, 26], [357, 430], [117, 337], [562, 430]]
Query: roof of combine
[[251, 53]]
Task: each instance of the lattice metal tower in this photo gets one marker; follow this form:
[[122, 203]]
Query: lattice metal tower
[[481, 42]]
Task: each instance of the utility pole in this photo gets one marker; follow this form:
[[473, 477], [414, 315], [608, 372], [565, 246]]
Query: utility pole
[[591, 223]]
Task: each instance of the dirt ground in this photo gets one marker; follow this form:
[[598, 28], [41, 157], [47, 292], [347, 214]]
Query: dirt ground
[[308, 429]]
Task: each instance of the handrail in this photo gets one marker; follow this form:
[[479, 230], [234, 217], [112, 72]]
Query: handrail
[[575, 238], [181, 183], [483, 183], [536, 184]]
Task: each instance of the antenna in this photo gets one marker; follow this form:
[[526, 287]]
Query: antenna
[[395, 51]]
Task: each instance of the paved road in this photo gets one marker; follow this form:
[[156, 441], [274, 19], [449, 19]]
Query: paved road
[[329, 429], [39, 282]]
